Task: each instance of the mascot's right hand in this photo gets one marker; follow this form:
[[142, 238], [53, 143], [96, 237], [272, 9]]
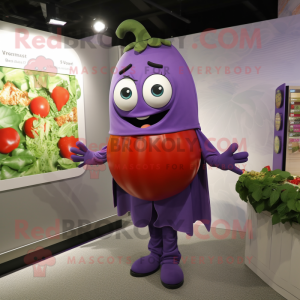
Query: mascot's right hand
[[83, 154]]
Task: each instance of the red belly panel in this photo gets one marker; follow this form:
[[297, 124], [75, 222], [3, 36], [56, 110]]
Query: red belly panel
[[154, 167]]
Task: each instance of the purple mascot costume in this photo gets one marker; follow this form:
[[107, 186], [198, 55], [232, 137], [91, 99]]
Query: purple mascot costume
[[150, 96]]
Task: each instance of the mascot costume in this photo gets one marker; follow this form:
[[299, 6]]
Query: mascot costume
[[157, 153]]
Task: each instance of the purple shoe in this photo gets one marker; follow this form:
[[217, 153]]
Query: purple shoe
[[171, 276], [145, 266]]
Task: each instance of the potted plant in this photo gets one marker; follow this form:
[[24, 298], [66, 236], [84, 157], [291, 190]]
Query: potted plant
[[273, 231]]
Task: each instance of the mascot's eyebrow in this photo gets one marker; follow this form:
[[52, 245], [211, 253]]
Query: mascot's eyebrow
[[151, 64], [125, 69]]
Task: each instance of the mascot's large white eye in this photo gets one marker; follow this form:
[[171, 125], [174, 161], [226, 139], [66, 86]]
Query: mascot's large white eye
[[157, 91], [125, 94]]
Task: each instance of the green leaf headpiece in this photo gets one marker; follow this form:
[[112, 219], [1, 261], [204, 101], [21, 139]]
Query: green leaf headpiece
[[142, 36]]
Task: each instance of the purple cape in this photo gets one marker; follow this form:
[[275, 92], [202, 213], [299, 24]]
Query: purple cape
[[192, 204], [179, 211]]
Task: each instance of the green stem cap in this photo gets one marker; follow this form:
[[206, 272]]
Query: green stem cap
[[142, 37]]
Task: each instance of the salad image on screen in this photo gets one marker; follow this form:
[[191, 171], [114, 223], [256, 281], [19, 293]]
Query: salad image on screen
[[38, 122]]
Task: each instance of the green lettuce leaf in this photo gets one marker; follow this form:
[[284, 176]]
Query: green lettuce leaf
[[17, 77], [66, 163], [75, 87], [8, 117], [68, 129]]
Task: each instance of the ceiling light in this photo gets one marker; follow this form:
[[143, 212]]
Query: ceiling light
[[57, 22], [99, 26]]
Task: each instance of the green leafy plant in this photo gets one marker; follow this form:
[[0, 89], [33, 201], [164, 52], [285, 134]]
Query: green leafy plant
[[269, 191]]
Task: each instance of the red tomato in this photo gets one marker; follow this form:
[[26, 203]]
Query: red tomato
[[268, 168], [40, 106], [28, 127], [60, 97], [9, 140], [65, 144], [154, 167]]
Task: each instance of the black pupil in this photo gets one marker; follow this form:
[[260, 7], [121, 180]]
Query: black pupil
[[157, 90], [126, 93]]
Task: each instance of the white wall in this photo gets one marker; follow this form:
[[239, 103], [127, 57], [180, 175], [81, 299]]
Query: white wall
[[241, 106]]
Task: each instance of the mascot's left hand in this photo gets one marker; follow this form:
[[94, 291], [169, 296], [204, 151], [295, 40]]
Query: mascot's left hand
[[83, 154], [227, 160]]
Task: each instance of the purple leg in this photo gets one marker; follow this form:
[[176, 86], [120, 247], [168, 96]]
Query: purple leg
[[149, 264], [171, 274]]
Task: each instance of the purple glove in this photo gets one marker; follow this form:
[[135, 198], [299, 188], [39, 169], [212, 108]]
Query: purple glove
[[227, 160], [87, 156], [224, 161]]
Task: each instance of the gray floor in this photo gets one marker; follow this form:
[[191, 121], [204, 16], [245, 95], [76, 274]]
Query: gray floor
[[82, 279]]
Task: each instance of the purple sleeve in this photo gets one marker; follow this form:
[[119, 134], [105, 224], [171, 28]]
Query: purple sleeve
[[100, 156], [209, 152]]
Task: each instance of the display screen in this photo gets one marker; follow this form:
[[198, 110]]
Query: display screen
[[38, 122], [293, 133]]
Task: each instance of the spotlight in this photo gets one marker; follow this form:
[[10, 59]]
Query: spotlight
[[99, 26], [57, 22]]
